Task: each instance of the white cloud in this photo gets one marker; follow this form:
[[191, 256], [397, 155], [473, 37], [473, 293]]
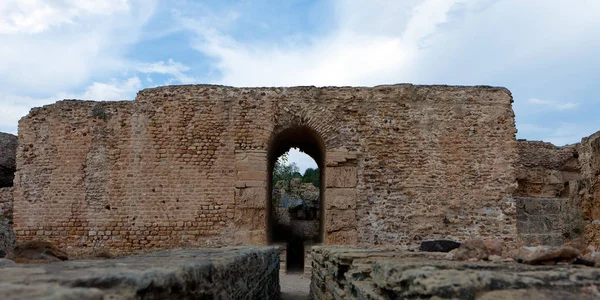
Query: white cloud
[[36, 16], [15, 107], [175, 69], [431, 41], [302, 160], [553, 105], [347, 56], [57, 45], [560, 133]]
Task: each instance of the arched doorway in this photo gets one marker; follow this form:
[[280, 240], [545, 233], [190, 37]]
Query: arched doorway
[[289, 232]]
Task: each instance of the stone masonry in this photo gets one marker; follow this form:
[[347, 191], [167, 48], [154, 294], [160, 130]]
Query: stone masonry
[[228, 273], [346, 273], [558, 195], [188, 165]]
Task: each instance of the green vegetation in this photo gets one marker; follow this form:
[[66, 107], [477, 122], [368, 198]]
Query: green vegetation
[[285, 171]]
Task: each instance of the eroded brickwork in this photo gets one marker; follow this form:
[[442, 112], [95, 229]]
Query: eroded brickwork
[[558, 193], [585, 193], [187, 165], [545, 172]]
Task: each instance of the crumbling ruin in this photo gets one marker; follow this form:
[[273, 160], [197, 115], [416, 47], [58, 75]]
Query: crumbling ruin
[[190, 165], [558, 192]]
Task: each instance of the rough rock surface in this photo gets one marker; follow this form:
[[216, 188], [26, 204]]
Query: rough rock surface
[[344, 273], [7, 238], [37, 252], [6, 262], [473, 249], [546, 254], [8, 152], [227, 273]]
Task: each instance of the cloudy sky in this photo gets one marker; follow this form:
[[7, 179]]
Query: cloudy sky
[[547, 52]]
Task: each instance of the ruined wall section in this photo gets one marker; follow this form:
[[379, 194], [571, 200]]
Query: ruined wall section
[[585, 193], [544, 170], [187, 165], [545, 175], [437, 162]]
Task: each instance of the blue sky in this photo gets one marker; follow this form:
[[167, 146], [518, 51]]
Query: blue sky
[[544, 51]]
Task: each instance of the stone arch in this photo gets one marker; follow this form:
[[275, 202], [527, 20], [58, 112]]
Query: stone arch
[[310, 142], [339, 169]]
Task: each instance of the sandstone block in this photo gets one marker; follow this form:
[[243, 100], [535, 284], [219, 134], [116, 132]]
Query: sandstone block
[[340, 177], [251, 197], [340, 198], [339, 219], [343, 237], [250, 219], [250, 237]]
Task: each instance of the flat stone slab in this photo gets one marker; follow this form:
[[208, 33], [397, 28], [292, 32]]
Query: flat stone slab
[[225, 273], [346, 273]]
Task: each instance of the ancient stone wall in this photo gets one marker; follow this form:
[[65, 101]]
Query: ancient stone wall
[[187, 165], [544, 170], [558, 195], [544, 173], [585, 193]]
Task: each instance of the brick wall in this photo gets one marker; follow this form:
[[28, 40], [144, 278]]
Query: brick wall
[[187, 165]]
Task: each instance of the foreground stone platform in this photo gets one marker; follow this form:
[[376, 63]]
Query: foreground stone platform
[[345, 273], [226, 273]]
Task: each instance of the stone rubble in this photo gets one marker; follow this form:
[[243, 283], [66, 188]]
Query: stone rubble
[[36, 252]]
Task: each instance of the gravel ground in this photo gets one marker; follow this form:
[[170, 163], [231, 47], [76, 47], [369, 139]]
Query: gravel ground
[[294, 286]]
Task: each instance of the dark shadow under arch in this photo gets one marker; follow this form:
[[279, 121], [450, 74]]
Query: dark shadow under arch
[[310, 142]]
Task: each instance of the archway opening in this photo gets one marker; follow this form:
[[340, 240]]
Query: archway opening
[[296, 196]]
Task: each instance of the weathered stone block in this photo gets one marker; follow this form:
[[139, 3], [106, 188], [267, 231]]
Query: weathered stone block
[[252, 175], [346, 273], [339, 219], [250, 237], [250, 219], [340, 198], [343, 237], [539, 224], [335, 158], [340, 177], [226, 273], [540, 206], [251, 197]]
